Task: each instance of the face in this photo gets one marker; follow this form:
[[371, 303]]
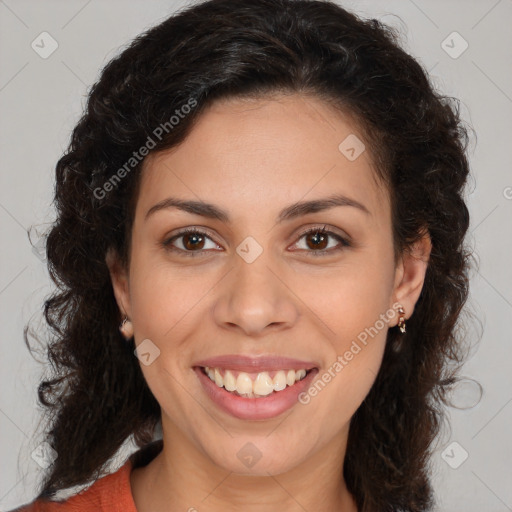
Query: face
[[252, 288]]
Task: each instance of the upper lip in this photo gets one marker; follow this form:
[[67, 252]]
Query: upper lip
[[256, 364]]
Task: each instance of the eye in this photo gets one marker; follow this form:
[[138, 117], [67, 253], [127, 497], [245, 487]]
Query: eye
[[192, 243], [318, 239]]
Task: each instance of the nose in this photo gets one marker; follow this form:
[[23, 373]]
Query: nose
[[255, 298]]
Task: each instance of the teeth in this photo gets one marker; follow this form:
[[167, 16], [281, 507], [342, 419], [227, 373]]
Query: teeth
[[279, 381], [244, 383], [218, 378], [263, 384], [300, 375], [229, 381]]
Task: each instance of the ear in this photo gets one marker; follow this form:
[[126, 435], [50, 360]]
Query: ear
[[410, 274], [120, 282]]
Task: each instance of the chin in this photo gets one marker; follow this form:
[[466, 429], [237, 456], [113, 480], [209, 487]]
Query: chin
[[257, 456]]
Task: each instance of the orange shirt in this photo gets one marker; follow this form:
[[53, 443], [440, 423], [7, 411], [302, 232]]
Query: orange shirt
[[112, 493]]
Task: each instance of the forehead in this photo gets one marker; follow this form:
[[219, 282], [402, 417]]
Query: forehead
[[257, 155]]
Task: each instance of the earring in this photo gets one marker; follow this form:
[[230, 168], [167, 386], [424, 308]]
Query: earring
[[401, 319], [126, 328]]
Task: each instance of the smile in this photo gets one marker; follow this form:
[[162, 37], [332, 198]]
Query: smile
[[249, 389], [254, 385]]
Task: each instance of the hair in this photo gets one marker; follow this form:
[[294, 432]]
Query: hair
[[224, 49]]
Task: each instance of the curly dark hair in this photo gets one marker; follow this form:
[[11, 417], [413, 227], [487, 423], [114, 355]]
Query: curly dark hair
[[255, 48]]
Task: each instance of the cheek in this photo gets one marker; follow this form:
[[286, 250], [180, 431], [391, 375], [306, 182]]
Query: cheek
[[165, 298], [347, 300], [339, 389], [352, 308]]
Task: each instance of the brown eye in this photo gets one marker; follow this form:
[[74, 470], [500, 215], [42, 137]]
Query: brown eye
[[316, 241], [191, 242]]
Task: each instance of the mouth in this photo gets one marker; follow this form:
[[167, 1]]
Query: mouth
[[254, 395], [254, 385]]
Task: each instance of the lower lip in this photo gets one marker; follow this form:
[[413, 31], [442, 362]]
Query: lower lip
[[262, 408]]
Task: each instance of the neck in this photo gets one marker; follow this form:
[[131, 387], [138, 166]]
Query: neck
[[181, 478]]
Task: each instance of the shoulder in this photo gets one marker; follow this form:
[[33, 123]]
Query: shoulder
[[110, 493]]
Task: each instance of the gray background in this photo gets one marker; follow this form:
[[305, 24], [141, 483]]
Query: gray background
[[41, 100]]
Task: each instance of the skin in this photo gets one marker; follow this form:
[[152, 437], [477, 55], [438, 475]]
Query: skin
[[253, 158]]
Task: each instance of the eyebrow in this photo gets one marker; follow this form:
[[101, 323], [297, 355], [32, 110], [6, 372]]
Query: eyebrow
[[293, 211]]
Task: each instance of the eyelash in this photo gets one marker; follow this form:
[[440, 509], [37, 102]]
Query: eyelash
[[194, 231]]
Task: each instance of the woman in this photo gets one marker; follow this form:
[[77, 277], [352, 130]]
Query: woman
[[260, 250]]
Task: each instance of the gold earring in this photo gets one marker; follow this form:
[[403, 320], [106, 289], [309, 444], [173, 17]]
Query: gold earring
[[401, 319], [126, 328]]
